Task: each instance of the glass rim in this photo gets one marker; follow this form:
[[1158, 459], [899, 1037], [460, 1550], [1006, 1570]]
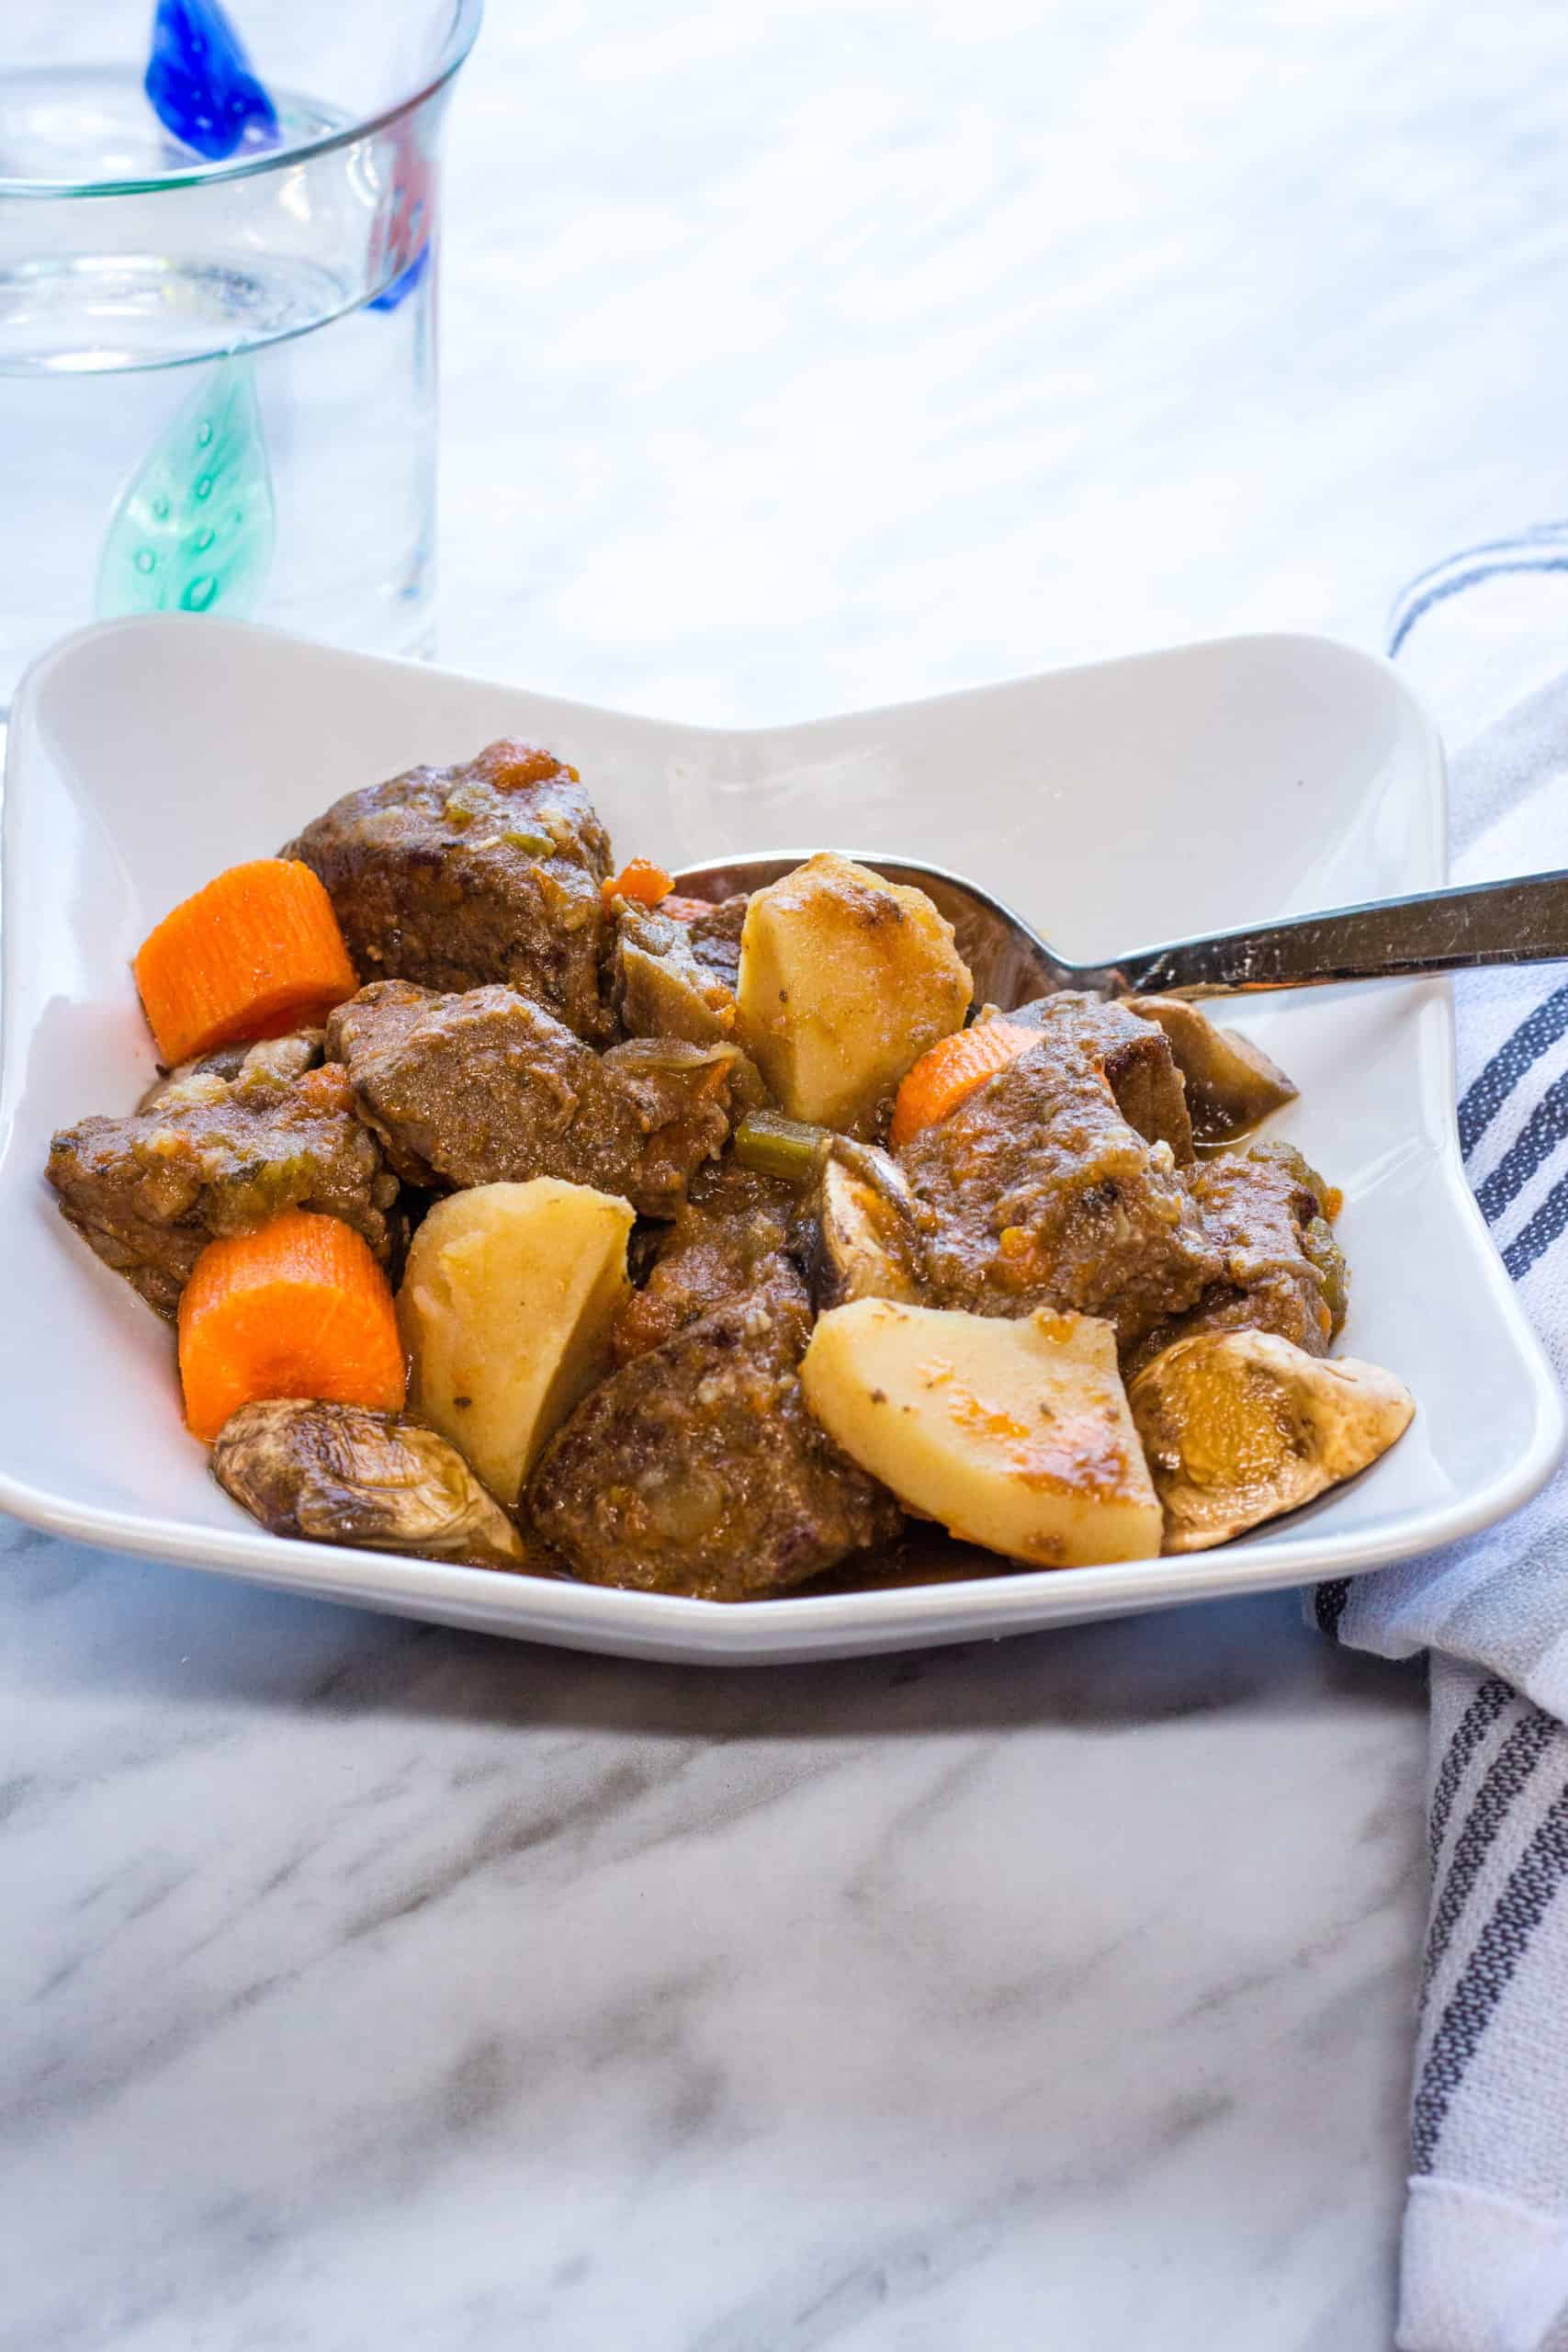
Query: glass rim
[[254, 165]]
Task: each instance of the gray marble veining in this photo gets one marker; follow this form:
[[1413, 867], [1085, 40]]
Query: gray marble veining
[[372, 1984], [369, 1982]]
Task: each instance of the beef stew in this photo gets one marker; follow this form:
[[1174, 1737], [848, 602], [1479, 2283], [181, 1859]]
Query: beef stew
[[712, 1210]]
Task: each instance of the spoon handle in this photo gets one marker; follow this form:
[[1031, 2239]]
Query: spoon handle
[[1521, 922]]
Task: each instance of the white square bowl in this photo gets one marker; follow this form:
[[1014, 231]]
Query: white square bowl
[[1129, 802]]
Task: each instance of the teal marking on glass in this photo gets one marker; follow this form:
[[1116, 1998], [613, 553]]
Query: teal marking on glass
[[171, 545]]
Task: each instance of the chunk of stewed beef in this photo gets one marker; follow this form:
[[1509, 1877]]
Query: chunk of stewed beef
[[1267, 1214], [727, 1241], [456, 878], [1134, 1055], [1040, 1190], [487, 1087], [216, 1154], [714, 937], [697, 1469]]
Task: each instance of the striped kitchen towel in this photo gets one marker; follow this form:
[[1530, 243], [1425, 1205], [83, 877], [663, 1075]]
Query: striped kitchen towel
[[1486, 2253]]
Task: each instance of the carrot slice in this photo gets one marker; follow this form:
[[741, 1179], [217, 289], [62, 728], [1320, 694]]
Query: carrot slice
[[641, 881], [258, 952], [949, 1071], [685, 910], [297, 1308]]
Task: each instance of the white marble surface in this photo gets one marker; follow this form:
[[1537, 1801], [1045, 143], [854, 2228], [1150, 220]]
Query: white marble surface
[[373, 1985], [370, 1984]]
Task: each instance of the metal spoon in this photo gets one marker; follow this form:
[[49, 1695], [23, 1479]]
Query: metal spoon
[[1521, 922]]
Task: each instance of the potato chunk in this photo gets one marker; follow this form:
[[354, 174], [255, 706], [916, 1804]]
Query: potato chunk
[[506, 1306], [1239, 1426], [845, 980], [1015, 1435]]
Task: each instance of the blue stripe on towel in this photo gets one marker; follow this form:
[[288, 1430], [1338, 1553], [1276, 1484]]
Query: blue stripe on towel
[[1419, 601], [1485, 1095], [1533, 1146], [1536, 1238]]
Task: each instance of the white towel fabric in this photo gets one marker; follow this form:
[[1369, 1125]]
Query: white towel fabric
[[1485, 2254]]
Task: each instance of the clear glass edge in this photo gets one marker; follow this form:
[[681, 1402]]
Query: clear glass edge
[[464, 32]]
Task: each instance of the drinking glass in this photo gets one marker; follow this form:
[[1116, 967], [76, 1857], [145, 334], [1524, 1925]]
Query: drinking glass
[[218, 281]]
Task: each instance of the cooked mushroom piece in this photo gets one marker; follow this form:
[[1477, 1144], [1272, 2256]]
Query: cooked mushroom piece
[[1239, 1426], [857, 1237], [1232, 1085], [339, 1474], [660, 990]]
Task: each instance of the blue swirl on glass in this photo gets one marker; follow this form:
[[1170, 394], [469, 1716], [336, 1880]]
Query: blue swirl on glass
[[402, 285], [200, 83]]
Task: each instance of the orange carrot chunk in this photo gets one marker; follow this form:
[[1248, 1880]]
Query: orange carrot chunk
[[255, 953], [949, 1071], [641, 881], [299, 1308]]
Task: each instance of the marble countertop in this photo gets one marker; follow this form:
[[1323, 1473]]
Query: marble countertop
[[372, 1983]]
